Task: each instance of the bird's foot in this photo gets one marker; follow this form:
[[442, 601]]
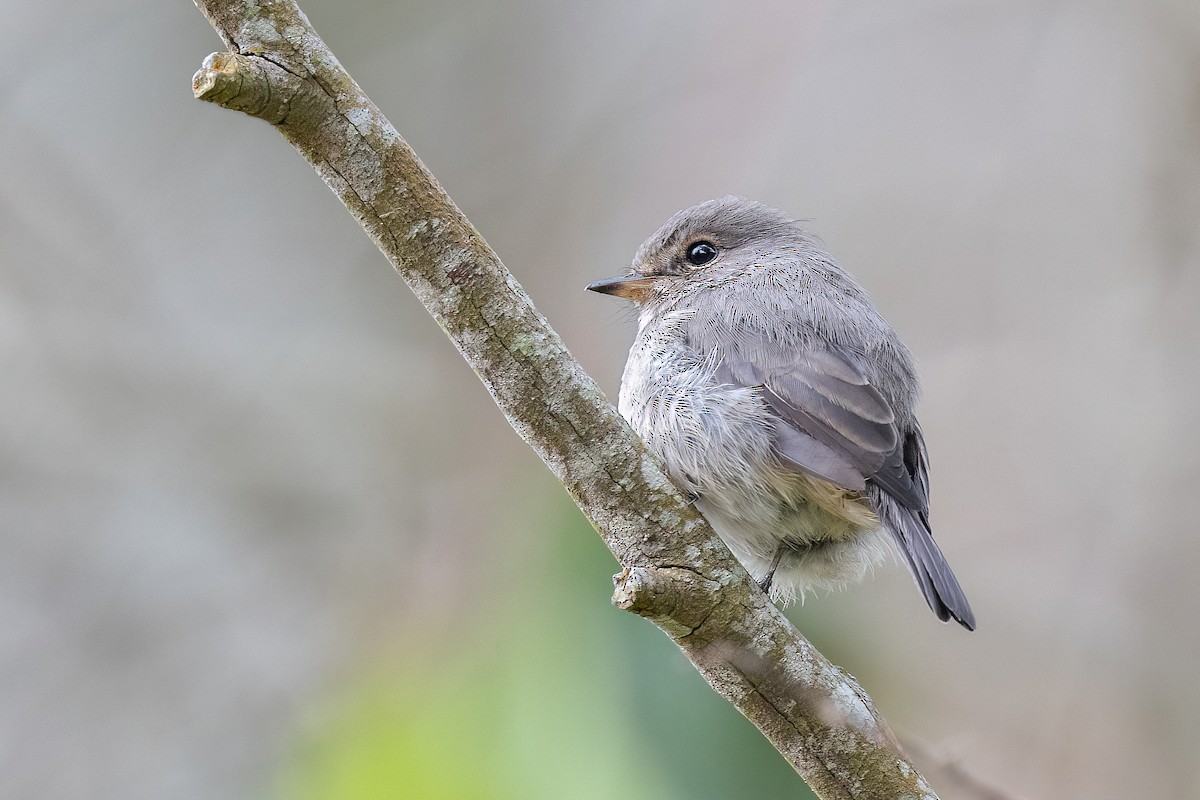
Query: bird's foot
[[765, 583]]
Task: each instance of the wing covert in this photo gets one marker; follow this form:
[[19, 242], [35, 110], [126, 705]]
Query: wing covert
[[833, 422]]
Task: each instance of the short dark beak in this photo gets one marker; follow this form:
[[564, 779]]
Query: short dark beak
[[631, 287]]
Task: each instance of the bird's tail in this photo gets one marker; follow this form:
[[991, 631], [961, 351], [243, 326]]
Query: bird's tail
[[925, 561]]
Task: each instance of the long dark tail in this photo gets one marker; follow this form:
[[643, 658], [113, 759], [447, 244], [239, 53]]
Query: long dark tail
[[925, 561]]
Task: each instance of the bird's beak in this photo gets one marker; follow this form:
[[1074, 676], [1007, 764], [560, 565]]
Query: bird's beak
[[631, 287]]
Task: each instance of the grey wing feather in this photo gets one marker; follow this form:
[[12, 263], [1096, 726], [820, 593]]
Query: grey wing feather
[[848, 417], [834, 424], [826, 397], [809, 455], [793, 444]]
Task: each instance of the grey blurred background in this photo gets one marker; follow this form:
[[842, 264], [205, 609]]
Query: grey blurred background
[[264, 535]]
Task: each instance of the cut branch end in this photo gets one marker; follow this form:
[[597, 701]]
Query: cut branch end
[[250, 84]]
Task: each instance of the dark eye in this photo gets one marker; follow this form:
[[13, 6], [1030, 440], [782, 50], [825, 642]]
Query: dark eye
[[701, 253]]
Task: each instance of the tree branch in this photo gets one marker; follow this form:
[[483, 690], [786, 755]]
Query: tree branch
[[676, 572]]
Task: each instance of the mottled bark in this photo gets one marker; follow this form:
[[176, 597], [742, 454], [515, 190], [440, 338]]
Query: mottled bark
[[676, 572]]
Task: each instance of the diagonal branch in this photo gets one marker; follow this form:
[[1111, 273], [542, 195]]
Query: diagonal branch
[[676, 572]]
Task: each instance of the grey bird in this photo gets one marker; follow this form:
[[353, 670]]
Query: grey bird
[[781, 401]]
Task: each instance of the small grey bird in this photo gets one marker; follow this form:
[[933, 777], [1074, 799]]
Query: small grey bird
[[781, 400]]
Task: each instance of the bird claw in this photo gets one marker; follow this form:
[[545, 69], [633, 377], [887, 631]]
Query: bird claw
[[765, 583]]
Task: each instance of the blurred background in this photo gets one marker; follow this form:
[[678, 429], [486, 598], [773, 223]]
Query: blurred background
[[264, 535]]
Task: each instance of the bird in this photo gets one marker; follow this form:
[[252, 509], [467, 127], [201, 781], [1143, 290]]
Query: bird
[[780, 402]]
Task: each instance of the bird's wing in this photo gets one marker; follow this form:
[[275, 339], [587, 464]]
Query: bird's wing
[[829, 410], [833, 423]]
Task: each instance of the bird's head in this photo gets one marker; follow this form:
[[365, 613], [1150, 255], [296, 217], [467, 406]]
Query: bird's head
[[706, 244]]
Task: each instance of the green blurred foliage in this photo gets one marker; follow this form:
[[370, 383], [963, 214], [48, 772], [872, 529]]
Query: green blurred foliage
[[553, 693]]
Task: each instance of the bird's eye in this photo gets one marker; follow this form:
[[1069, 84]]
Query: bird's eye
[[701, 253]]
